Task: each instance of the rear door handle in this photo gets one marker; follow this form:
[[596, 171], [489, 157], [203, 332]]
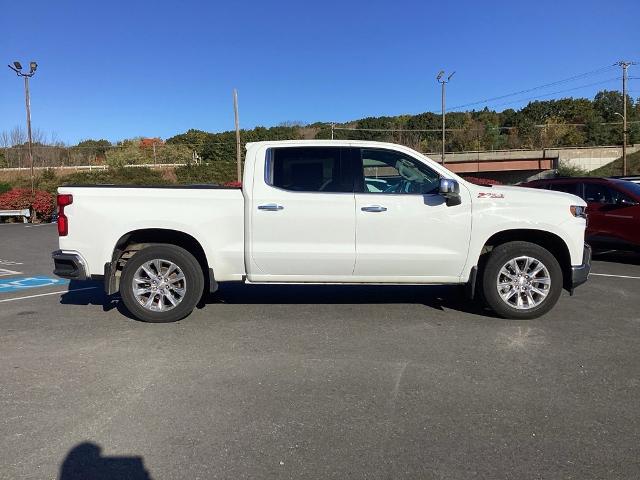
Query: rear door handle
[[270, 207], [374, 208]]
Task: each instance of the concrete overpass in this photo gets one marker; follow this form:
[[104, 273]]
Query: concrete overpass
[[515, 165]]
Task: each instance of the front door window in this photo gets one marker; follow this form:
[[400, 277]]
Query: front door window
[[387, 171]]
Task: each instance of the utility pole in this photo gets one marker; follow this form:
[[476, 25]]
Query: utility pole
[[17, 67], [238, 151], [443, 82], [625, 66]]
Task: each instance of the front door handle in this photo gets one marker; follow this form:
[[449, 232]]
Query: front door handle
[[374, 208], [270, 207]]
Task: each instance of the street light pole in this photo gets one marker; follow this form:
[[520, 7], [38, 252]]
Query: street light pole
[[443, 82], [443, 95], [17, 67], [237, 123], [625, 66], [624, 140], [27, 98]]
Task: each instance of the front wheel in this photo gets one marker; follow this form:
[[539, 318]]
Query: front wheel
[[161, 283], [521, 280]]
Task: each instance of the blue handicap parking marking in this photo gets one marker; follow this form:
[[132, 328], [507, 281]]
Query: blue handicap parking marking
[[23, 283]]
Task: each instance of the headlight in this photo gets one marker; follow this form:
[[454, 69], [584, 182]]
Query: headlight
[[578, 211]]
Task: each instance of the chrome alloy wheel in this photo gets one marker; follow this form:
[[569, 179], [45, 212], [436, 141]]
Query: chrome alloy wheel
[[159, 285], [523, 282]]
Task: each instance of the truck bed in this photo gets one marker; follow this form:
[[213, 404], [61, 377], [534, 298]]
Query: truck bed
[[198, 186], [100, 215]]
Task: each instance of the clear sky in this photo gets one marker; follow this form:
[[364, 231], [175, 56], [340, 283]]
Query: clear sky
[[117, 69]]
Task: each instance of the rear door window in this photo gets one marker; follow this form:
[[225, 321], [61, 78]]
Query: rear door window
[[310, 169]]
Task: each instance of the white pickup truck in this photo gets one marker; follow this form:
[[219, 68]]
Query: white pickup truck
[[324, 212]]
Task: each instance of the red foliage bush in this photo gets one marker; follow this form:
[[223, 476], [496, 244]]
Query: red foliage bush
[[15, 199], [42, 203], [234, 184]]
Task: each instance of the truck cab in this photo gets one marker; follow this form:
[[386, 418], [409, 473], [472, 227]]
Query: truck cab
[[352, 214]]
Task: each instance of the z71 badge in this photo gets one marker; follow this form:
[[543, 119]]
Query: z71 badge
[[490, 195]]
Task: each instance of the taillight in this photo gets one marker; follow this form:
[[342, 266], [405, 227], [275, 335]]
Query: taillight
[[63, 222]]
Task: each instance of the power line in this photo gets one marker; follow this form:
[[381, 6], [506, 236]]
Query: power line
[[539, 87], [486, 127], [557, 92], [390, 129]]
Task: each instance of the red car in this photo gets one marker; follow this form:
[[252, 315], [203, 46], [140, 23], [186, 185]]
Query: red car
[[613, 208]]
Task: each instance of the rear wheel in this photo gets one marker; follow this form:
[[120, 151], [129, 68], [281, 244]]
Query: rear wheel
[[521, 280], [161, 283]]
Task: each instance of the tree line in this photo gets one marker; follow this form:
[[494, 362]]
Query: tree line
[[540, 124]]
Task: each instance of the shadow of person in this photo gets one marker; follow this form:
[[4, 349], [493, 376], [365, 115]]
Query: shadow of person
[[85, 462]]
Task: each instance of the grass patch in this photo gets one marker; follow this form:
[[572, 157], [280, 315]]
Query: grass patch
[[567, 170], [615, 167], [211, 173], [214, 172]]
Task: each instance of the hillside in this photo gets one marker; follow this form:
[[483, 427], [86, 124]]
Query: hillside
[[615, 167], [540, 124]]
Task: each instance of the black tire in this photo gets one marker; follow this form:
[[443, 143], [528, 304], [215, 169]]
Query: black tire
[[194, 283], [502, 254]]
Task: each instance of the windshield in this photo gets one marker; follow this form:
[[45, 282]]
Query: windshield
[[630, 187]]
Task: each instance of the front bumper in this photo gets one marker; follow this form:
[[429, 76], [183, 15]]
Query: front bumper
[[580, 274], [69, 265]]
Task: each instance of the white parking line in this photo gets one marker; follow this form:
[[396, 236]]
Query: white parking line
[[616, 276], [5, 272], [9, 262], [45, 294]]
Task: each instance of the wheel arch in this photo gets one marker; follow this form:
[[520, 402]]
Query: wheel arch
[[135, 240], [548, 240]]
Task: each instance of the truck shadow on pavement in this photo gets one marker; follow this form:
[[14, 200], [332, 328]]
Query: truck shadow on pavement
[[438, 297], [88, 293], [85, 461]]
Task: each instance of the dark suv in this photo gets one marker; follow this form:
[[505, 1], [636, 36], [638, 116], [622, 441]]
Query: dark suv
[[613, 208]]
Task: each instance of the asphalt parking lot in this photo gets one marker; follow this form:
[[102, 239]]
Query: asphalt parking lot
[[315, 382]]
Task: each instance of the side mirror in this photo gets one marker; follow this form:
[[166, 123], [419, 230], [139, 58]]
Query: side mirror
[[450, 189], [626, 202]]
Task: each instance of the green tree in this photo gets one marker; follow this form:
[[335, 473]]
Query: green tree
[[174, 154], [608, 104], [126, 154], [93, 147]]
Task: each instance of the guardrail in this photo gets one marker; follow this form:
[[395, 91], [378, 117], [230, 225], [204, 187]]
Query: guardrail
[[24, 213], [92, 167]]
